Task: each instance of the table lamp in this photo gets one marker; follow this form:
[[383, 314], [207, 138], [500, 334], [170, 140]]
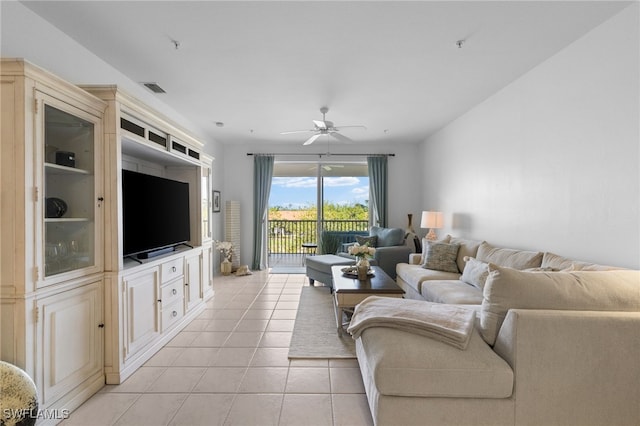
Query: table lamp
[[431, 220]]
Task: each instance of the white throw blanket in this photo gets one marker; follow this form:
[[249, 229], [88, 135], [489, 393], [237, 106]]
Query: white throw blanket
[[447, 323]]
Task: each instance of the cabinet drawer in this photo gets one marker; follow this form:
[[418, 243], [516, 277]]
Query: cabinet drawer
[[171, 270], [172, 292], [171, 314]]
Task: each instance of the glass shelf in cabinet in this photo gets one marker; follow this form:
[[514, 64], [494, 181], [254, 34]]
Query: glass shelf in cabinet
[[58, 169], [66, 219]]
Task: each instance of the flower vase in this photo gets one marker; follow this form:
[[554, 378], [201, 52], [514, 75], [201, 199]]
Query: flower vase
[[362, 267], [225, 267]]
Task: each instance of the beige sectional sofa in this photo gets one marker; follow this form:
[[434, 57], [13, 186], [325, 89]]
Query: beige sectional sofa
[[556, 342]]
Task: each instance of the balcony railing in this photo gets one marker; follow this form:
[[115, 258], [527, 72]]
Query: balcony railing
[[287, 236]]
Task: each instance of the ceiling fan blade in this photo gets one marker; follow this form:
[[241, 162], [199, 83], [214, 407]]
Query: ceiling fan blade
[[320, 124], [341, 138], [311, 139], [351, 127], [296, 131]]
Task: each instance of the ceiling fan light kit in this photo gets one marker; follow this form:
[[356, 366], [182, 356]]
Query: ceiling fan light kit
[[324, 127]]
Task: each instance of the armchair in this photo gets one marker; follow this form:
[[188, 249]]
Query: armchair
[[391, 247]]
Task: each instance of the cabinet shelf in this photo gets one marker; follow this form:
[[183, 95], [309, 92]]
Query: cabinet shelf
[[64, 170], [66, 219]]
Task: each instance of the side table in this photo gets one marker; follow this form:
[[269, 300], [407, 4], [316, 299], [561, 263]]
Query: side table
[[309, 250]]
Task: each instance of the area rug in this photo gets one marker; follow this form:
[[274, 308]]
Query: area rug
[[314, 332]]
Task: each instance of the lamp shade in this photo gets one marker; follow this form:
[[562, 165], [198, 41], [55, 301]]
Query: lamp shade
[[432, 220]]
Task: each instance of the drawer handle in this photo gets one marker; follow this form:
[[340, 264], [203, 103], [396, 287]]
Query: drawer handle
[[174, 314], [173, 269], [174, 291]]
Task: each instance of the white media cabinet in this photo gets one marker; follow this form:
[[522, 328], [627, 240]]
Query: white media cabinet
[[148, 304], [74, 313]]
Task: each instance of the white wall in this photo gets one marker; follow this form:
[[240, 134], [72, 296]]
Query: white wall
[[551, 162], [26, 35], [404, 180]]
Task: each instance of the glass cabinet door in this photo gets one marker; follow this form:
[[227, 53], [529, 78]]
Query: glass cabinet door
[[69, 201]]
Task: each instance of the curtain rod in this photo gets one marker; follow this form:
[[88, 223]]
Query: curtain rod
[[320, 155]]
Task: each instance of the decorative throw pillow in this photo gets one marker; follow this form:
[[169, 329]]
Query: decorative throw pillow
[[423, 246], [475, 272], [370, 241], [440, 256]]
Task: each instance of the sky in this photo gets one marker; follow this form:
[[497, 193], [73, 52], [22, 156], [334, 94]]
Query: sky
[[296, 192]]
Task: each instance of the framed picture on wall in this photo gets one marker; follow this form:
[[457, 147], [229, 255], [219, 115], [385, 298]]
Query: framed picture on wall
[[216, 201]]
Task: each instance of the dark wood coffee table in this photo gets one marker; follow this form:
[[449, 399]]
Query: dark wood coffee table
[[348, 291]]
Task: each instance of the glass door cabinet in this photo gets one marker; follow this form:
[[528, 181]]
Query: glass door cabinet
[[71, 201]]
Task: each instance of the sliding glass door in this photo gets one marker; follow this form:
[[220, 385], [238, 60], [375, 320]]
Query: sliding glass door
[[308, 198], [293, 213]]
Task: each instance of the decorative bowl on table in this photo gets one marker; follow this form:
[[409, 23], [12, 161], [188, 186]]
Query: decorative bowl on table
[[352, 271]]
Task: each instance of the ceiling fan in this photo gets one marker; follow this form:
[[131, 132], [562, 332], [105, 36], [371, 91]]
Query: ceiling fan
[[324, 127]]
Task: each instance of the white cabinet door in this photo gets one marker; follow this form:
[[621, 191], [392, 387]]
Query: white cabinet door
[[71, 330], [207, 272], [193, 288], [141, 300]]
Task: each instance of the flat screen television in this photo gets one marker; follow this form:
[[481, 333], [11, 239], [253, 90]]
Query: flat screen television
[[155, 213]]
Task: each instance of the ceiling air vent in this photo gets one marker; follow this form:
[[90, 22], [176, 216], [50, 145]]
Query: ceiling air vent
[[154, 87]]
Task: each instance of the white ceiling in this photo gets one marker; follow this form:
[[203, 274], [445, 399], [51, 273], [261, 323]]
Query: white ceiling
[[266, 67]]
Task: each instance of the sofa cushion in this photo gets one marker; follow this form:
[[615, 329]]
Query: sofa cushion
[[415, 275], [556, 262], [371, 240], [467, 248], [517, 259], [388, 237], [441, 256], [405, 364], [454, 292], [586, 266], [508, 288], [560, 263], [475, 272]]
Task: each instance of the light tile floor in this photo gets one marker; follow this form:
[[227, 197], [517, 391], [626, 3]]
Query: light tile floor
[[230, 367]]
